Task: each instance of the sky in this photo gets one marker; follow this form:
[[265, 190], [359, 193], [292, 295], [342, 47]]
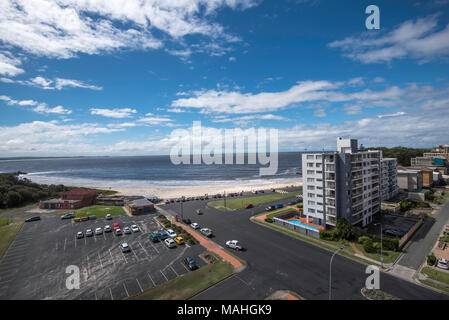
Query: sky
[[109, 77]]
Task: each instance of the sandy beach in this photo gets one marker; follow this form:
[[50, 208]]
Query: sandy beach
[[175, 192]]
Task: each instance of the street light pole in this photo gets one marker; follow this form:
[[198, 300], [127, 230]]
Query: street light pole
[[330, 273], [381, 246]]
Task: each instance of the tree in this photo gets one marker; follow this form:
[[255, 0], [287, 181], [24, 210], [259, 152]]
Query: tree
[[344, 229], [13, 199]]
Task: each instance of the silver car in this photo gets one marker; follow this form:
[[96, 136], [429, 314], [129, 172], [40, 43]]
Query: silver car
[[125, 247], [89, 233], [127, 230], [107, 228], [98, 231]]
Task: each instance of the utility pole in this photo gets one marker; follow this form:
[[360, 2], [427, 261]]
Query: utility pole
[[224, 195]]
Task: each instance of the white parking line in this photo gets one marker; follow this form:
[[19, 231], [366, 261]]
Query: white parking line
[[113, 260], [85, 240], [174, 270], [100, 260], [125, 289], [163, 275], [184, 266], [65, 241], [141, 290], [110, 291], [154, 284], [143, 248], [126, 260], [154, 247], [135, 254]]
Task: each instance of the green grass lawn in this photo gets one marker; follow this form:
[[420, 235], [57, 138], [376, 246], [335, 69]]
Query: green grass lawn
[[8, 231], [389, 256], [436, 275], [188, 285], [240, 203], [99, 211]]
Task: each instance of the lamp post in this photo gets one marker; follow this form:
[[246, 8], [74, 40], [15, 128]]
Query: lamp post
[[381, 246], [330, 273]]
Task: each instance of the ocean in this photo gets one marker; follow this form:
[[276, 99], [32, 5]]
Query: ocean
[[149, 172]]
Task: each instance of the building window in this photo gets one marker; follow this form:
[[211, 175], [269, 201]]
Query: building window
[[310, 179], [311, 210], [310, 187], [310, 164], [311, 195], [311, 203], [310, 172]]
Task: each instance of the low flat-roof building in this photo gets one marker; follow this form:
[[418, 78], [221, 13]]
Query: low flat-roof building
[[139, 206], [410, 180], [72, 199]]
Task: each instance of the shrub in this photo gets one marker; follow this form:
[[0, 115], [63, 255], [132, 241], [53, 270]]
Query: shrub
[[368, 246], [362, 239], [328, 235], [344, 229], [270, 220], [376, 246], [431, 260]]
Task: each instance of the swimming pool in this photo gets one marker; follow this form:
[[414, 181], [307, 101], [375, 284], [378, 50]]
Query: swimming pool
[[303, 225]]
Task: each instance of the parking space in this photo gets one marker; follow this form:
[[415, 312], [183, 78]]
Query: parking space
[[43, 249]]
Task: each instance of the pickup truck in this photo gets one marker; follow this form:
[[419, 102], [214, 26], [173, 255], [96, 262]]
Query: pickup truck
[[206, 231]]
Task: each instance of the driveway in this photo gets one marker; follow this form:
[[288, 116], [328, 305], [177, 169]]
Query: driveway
[[424, 240]]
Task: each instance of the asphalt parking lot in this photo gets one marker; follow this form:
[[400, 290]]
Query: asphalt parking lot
[[276, 261], [34, 267], [394, 222]]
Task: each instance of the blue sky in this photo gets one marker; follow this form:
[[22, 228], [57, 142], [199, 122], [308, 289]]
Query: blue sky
[[99, 78]]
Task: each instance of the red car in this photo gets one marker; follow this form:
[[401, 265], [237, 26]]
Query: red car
[[172, 200], [115, 226], [249, 206], [236, 194]]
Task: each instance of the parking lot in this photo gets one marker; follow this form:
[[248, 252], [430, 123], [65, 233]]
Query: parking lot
[[34, 267], [392, 222]]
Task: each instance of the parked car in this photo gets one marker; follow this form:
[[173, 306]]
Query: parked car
[[254, 191], [195, 225], [279, 205], [98, 231], [108, 216], [190, 263], [198, 211], [92, 217], [135, 228], [206, 231], [84, 218], [273, 190], [126, 230], [125, 247], [393, 232], [169, 242], [67, 216], [240, 193], [172, 200], [107, 228], [186, 221], [36, 218], [443, 264], [162, 235], [89, 233], [234, 244], [261, 191], [269, 208], [77, 219], [249, 206], [179, 240], [118, 232], [154, 237], [115, 226], [167, 201], [80, 235], [171, 233]]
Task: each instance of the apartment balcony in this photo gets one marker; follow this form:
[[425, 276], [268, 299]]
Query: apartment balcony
[[330, 176], [356, 185], [330, 185], [330, 202], [356, 176]]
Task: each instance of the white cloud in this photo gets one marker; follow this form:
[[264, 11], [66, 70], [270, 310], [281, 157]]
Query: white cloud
[[244, 119], [113, 113], [232, 59], [57, 83], [420, 39], [9, 65], [352, 109], [64, 28], [397, 114], [149, 120], [42, 108], [378, 79]]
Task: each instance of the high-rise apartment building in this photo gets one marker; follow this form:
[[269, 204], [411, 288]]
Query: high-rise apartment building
[[345, 184], [389, 178]]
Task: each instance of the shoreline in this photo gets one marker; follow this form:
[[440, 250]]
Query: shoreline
[[177, 192]]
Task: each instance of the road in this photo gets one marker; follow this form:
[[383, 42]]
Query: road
[[279, 262], [424, 240]]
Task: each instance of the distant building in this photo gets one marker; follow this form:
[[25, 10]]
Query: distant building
[[410, 180], [139, 206], [345, 184], [428, 161], [389, 178], [72, 199]]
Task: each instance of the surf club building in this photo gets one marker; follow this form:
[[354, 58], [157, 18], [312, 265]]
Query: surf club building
[[72, 199], [139, 206]]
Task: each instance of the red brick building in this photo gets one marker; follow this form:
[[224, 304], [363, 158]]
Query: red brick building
[[72, 199]]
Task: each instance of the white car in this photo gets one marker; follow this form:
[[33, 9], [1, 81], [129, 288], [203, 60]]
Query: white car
[[194, 225], [127, 230], [206, 231], [80, 235], [135, 228], [98, 231], [171, 233], [89, 233], [169, 242], [442, 264], [125, 247], [118, 232], [107, 228], [108, 217], [234, 244]]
